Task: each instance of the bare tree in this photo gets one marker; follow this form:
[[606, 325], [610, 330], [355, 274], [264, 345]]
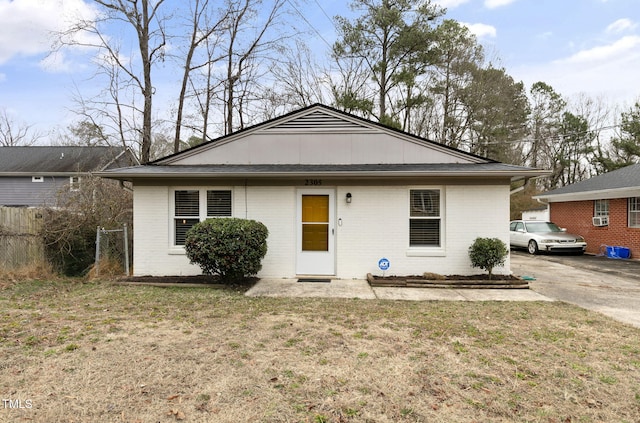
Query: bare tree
[[14, 133], [202, 34], [297, 78], [349, 87], [248, 41], [144, 19]]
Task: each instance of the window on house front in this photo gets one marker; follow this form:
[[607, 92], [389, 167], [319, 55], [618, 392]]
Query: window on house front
[[634, 212], [425, 219], [187, 213], [218, 203], [193, 205], [74, 183], [601, 208]]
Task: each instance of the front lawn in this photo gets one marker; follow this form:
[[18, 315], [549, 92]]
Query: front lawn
[[94, 352]]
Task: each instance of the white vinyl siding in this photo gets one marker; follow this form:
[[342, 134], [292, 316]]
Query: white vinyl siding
[[194, 205]]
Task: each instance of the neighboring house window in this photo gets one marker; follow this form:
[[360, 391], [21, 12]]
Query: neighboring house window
[[192, 206], [601, 208], [424, 218], [37, 179], [634, 212], [74, 183]]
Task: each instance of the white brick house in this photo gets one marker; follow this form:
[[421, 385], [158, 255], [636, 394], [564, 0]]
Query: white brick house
[[337, 193]]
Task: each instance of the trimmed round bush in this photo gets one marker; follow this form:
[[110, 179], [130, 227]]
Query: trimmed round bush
[[487, 253], [229, 247]]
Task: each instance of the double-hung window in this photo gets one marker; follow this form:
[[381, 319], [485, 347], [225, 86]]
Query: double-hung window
[[193, 205], [601, 208], [634, 212], [425, 218]]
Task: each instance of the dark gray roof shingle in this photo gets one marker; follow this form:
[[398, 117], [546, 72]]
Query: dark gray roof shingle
[[57, 159], [297, 169], [626, 177]]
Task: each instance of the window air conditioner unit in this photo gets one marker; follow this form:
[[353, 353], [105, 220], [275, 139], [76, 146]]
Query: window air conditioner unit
[[601, 221]]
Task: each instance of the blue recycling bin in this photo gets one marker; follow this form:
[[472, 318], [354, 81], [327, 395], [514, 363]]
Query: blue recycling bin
[[617, 252]]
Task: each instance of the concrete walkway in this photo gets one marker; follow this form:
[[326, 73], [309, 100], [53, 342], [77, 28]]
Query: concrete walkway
[[357, 288]]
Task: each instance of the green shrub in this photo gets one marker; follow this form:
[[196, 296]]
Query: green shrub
[[229, 247], [487, 253]]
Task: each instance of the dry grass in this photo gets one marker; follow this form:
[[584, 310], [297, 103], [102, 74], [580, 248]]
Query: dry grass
[[8, 277], [93, 352]]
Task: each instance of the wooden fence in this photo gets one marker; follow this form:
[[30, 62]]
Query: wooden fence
[[20, 241]]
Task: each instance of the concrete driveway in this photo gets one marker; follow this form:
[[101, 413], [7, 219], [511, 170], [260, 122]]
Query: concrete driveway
[[608, 286]]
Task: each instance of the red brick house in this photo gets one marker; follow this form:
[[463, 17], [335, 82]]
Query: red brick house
[[605, 209]]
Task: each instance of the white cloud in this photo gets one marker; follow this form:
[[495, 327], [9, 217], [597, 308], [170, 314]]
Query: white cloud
[[481, 30], [450, 4], [628, 46], [26, 25], [621, 25], [609, 71], [492, 4]]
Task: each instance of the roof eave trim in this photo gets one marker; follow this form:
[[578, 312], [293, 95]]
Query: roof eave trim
[[36, 173], [591, 195], [367, 174]]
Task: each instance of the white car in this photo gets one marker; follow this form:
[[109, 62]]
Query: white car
[[538, 236]]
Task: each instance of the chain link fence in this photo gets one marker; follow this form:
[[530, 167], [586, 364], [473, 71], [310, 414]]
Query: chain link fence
[[112, 251]]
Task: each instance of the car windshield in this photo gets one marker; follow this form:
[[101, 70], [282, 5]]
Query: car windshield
[[542, 227]]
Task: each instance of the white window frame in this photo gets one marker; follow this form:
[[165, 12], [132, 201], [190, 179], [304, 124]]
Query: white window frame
[[74, 183], [37, 179], [600, 208], [202, 210], [633, 209], [427, 250]]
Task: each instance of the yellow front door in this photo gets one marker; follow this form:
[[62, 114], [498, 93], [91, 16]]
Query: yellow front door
[[315, 232], [315, 222]]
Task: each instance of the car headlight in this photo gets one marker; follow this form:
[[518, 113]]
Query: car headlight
[[580, 239], [547, 241]]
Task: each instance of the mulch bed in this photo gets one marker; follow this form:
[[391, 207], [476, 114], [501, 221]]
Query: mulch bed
[[449, 281]]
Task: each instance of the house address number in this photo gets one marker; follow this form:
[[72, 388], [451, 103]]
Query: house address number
[[314, 182]]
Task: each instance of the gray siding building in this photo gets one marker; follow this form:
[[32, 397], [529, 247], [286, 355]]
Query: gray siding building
[[33, 176]]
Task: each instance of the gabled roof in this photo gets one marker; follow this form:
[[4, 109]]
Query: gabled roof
[[59, 160], [318, 118], [326, 142], [620, 183]]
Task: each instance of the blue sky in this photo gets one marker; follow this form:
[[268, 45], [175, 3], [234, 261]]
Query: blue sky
[[576, 46]]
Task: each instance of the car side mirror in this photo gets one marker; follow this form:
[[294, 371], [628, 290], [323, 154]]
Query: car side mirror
[[563, 229]]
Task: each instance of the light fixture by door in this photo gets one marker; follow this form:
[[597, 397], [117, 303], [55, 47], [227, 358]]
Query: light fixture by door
[[348, 198]]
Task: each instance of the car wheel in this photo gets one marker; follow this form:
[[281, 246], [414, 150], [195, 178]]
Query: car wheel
[[532, 247]]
